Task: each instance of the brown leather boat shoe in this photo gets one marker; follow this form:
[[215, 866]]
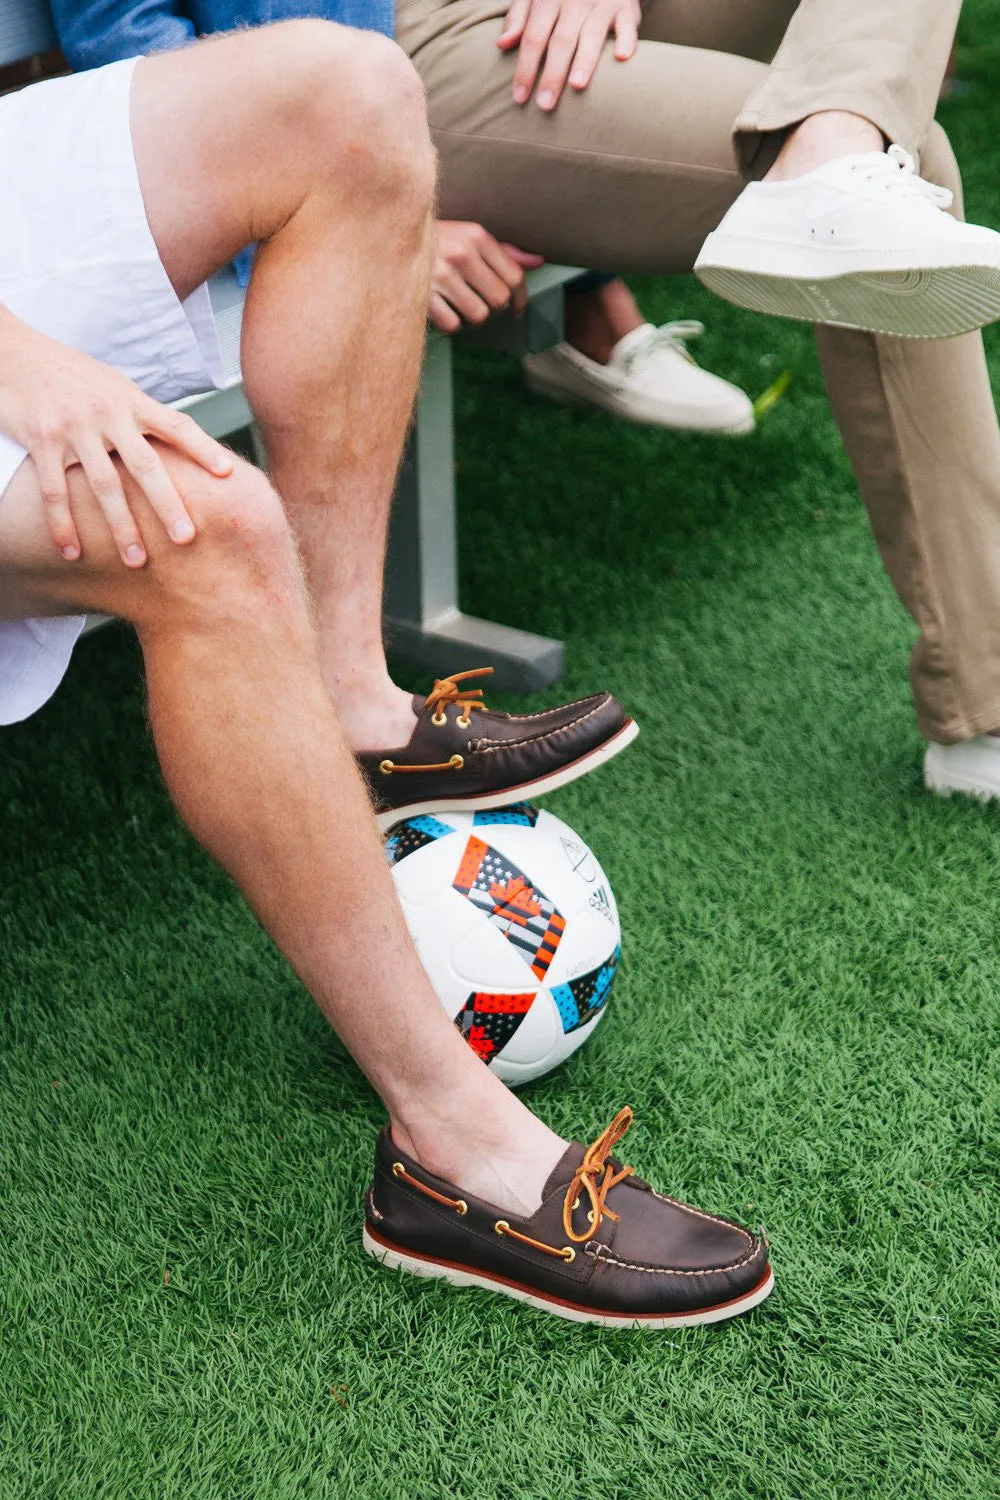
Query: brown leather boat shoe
[[603, 1248], [462, 755]]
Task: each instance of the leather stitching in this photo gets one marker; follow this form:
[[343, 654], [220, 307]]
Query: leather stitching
[[492, 747], [624, 1265], [545, 712]]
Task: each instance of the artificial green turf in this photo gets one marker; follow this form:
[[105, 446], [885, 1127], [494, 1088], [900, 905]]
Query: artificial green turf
[[807, 1025]]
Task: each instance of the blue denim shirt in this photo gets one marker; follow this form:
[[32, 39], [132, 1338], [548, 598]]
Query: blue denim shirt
[[94, 32]]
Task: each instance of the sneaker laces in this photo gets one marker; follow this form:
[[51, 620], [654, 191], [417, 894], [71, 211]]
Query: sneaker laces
[[595, 1161], [905, 178], [667, 336]]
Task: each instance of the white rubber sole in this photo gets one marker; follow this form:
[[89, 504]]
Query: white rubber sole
[[874, 291], [637, 415], [477, 802], [458, 1276], [944, 781]]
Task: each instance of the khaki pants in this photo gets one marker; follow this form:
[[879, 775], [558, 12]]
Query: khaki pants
[[631, 175]]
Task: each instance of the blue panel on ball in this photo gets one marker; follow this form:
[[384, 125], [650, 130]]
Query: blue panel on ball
[[413, 834], [569, 1011], [521, 813]]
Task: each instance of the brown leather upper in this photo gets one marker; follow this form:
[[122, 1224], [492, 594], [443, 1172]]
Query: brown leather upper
[[459, 749], [649, 1255]]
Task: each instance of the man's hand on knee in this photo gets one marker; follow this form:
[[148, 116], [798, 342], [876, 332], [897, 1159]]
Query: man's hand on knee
[[563, 40], [66, 408]]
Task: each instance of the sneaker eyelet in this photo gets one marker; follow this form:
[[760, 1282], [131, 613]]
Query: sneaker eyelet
[[439, 720]]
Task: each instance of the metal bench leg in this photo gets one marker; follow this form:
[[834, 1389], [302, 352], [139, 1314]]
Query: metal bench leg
[[423, 620]]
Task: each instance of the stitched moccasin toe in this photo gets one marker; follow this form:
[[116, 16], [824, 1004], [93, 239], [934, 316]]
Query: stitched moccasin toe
[[602, 1248], [463, 755]]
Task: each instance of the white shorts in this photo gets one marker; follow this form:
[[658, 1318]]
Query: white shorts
[[78, 261]]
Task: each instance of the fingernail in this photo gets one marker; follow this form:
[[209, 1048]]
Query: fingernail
[[70, 553], [182, 531], [546, 99], [578, 80], [520, 93], [134, 555]]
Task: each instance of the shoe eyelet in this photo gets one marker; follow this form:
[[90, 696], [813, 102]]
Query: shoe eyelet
[[439, 720], [461, 1208], [463, 722], [568, 1253], [501, 1227], [386, 767], [457, 762], [576, 1203], [398, 1170]]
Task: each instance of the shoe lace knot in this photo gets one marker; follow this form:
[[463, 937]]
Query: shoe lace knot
[[448, 690], [900, 170], [668, 336], [589, 1178]]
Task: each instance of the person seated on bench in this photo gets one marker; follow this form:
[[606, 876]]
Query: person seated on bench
[[257, 605], [602, 134], [611, 358]]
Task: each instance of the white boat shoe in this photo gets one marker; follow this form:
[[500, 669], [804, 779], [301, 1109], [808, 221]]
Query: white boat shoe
[[861, 242], [971, 767], [650, 379]]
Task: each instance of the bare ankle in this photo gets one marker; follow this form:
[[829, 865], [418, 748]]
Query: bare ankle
[[821, 138], [492, 1147], [599, 319]]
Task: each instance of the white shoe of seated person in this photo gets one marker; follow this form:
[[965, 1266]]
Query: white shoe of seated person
[[971, 767], [650, 379], [861, 242]]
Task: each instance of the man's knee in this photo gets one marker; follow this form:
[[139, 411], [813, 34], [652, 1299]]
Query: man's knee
[[243, 553], [361, 103]]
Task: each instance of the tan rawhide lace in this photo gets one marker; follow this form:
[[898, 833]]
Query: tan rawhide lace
[[446, 691], [595, 1161]]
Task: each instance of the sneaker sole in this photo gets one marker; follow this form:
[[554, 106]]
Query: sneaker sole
[[869, 293], [552, 392], [457, 1275], [481, 802], [947, 784]]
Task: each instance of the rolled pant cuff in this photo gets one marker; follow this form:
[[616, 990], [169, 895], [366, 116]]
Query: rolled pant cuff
[[778, 105], [953, 730]]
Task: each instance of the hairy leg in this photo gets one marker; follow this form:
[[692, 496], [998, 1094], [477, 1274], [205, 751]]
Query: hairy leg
[[338, 190], [259, 769]]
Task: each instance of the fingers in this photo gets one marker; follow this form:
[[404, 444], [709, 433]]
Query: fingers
[[510, 272], [537, 31], [525, 258], [184, 434], [589, 48], [559, 57], [441, 315], [460, 295], [49, 466], [102, 476], [513, 26], [146, 467], [626, 30]]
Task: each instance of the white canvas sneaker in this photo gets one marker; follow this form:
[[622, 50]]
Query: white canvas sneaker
[[650, 379], [971, 767], [861, 242]]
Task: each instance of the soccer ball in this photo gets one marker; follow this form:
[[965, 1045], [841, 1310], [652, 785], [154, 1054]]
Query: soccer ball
[[517, 928]]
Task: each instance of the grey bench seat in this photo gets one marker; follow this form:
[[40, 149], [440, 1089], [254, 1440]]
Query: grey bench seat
[[423, 619]]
